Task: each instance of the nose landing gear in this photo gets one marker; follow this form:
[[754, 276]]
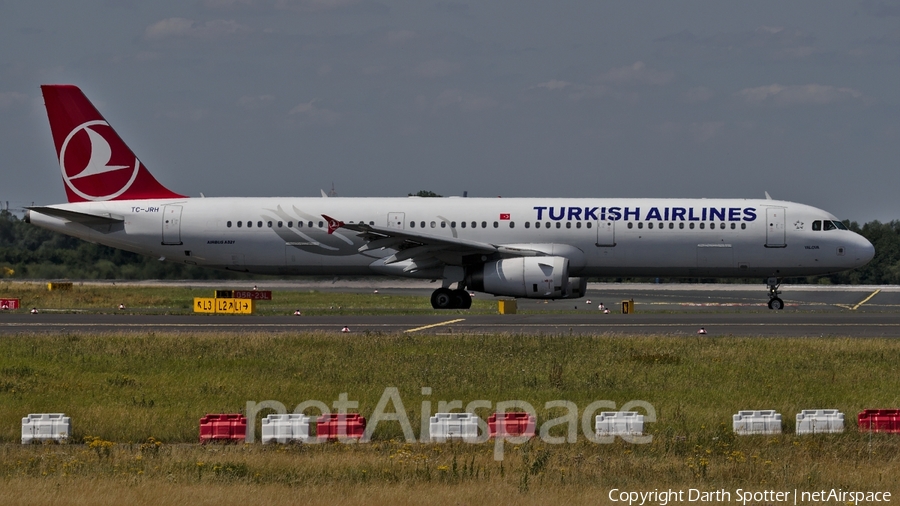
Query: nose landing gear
[[774, 301]]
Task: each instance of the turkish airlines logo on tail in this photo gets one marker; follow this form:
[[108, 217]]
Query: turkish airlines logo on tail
[[95, 164]]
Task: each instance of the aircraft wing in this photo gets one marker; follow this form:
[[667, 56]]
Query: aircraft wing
[[420, 246], [78, 217]]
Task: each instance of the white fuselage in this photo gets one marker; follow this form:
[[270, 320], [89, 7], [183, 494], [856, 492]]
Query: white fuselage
[[600, 237]]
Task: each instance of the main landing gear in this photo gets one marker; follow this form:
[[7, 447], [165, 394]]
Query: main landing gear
[[774, 301], [445, 298]]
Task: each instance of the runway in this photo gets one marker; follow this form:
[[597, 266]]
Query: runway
[[784, 324], [674, 309]]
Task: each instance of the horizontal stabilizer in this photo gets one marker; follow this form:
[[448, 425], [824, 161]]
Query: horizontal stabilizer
[[79, 217]]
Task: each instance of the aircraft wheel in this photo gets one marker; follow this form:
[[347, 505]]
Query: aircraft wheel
[[461, 299], [776, 303], [442, 298]]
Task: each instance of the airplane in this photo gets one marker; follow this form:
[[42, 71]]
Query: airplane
[[539, 248]]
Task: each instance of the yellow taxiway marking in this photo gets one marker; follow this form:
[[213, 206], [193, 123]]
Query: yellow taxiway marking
[[854, 308], [435, 325]]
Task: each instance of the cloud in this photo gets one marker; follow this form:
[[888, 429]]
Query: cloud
[[436, 68], [174, 28], [254, 103], [309, 113], [637, 73], [10, 99], [806, 94]]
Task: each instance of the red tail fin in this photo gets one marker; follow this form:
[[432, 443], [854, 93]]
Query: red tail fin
[[95, 162]]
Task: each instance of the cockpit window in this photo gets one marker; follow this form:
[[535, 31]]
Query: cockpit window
[[840, 225], [817, 225], [829, 225]]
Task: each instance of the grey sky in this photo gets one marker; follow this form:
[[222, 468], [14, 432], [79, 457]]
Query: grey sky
[[509, 97]]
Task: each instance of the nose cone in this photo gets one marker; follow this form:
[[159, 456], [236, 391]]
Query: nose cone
[[864, 251]]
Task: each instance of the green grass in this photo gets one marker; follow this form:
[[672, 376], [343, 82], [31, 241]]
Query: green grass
[[130, 387], [125, 389], [180, 300]]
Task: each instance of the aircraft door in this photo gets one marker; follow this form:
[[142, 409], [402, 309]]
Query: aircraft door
[[396, 220], [606, 233], [171, 225], [775, 227]]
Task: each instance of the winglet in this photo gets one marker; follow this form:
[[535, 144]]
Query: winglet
[[333, 224]]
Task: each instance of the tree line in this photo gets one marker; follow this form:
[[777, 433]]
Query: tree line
[[31, 252]]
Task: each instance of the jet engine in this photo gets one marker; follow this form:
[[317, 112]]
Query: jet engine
[[529, 277]]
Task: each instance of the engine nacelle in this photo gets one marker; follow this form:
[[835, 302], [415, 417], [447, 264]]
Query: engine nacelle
[[576, 289], [529, 277]]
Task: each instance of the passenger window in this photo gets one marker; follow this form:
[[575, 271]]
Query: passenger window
[[496, 224], [474, 225], [483, 224], [558, 225], [290, 224], [547, 225], [630, 225], [310, 224], [249, 224], [239, 224], [270, 224], [512, 224], [743, 226], [228, 224], [681, 225], [412, 224], [280, 224], [650, 225], [568, 224], [722, 226], [702, 226], [433, 224], [462, 224], [259, 224], [527, 224], [691, 226], [588, 224], [321, 224], [817, 225], [443, 224], [671, 226], [422, 223], [732, 226], [578, 224], [452, 224], [641, 224], [829, 225]]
